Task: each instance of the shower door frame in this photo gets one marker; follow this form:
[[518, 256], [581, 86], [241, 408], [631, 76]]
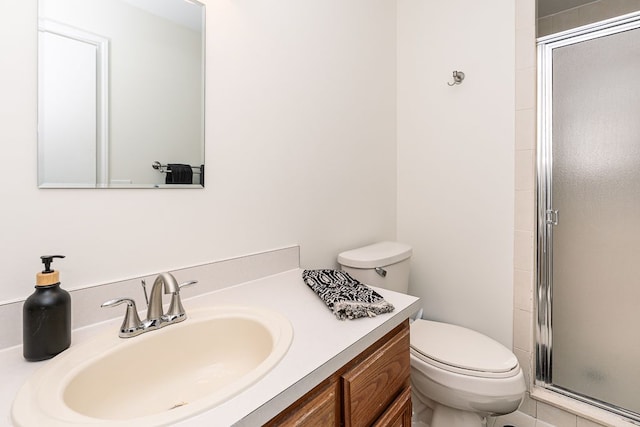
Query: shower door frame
[[547, 217]]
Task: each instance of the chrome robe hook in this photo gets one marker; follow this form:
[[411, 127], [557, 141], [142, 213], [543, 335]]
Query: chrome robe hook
[[458, 77]]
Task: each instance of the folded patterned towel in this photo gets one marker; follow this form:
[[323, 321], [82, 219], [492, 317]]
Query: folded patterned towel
[[344, 295]]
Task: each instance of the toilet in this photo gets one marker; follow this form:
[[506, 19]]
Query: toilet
[[458, 376]]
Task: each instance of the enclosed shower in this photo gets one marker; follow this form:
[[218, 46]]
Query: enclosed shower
[[588, 281]]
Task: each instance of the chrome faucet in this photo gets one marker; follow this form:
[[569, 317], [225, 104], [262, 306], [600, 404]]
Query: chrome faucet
[[155, 313], [156, 318]]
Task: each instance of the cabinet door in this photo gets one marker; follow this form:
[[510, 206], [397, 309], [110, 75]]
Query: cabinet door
[[371, 386], [399, 413], [315, 409]]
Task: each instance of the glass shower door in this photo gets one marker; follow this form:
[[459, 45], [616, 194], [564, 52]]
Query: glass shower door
[[591, 214]]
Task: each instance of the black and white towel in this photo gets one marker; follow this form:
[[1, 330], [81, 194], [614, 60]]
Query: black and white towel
[[344, 295]]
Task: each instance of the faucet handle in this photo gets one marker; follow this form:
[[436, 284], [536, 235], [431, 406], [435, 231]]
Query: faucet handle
[[131, 325], [188, 283], [176, 310], [144, 288]]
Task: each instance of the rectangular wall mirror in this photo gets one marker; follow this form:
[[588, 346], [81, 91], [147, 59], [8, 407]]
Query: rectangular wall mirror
[[121, 93]]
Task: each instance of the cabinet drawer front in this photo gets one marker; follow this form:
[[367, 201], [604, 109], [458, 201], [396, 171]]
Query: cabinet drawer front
[[322, 410], [399, 413], [374, 383]]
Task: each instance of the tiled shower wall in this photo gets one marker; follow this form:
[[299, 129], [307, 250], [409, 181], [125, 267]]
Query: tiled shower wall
[[544, 405], [583, 15], [525, 144]]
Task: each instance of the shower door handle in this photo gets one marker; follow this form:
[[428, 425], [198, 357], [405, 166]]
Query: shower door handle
[[552, 217]]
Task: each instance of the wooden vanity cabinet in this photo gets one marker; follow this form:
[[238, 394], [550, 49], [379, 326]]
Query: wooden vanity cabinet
[[399, 412], [319, 407], [373, 389]]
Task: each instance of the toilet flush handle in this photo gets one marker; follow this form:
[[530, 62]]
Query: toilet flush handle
[[381, 271]]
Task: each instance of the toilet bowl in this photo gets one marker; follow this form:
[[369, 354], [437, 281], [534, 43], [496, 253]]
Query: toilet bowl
[[459, 374], [464, 374]]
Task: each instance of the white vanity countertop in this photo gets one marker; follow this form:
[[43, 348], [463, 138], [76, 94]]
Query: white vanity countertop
[[321, 345]]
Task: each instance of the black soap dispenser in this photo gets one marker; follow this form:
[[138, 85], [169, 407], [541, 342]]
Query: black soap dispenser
[[46, 316]]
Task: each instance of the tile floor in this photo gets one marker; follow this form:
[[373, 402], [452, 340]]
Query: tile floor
[[517, 419]]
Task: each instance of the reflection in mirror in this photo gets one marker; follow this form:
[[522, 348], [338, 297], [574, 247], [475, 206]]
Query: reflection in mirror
[[120, 87]]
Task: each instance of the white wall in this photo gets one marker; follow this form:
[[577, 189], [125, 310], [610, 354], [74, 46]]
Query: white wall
[[300, 149], [456, 159]]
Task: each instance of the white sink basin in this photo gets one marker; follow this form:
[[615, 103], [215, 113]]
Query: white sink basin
[[159, 377]]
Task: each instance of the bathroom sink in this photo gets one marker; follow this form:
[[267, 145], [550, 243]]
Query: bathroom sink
[[159, 377]]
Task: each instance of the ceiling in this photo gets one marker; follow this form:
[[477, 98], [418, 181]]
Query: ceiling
[[549, 7]]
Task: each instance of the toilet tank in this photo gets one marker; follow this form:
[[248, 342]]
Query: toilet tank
[[383, 264]]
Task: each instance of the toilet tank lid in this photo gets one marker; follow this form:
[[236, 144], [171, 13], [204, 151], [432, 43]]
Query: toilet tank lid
[[376, 255]]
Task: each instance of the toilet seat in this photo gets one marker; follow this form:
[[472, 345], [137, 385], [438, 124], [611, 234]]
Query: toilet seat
[[461, 350]]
